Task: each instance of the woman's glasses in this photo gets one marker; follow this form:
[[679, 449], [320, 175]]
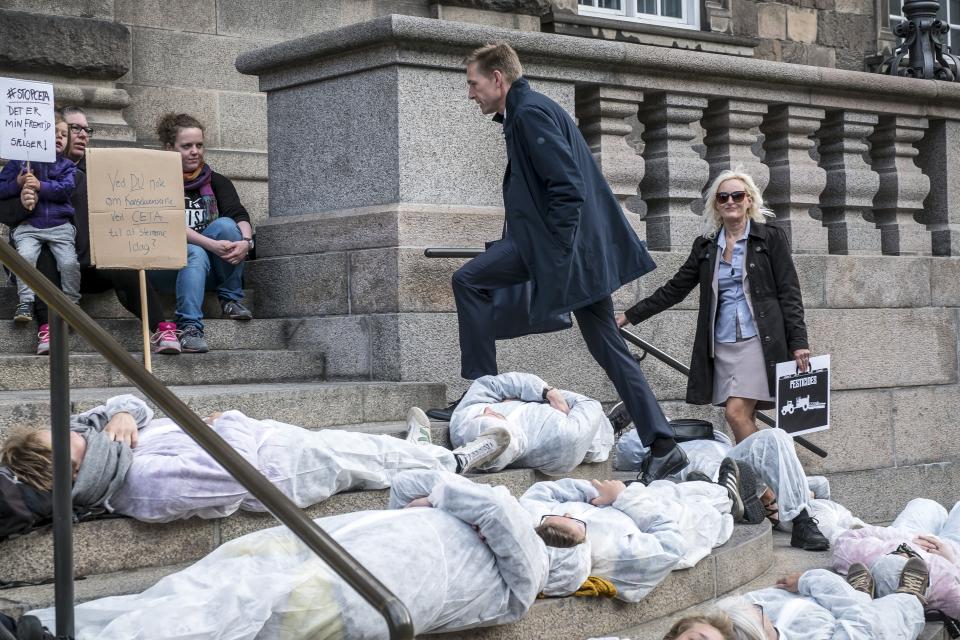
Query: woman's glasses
[[737, 196]]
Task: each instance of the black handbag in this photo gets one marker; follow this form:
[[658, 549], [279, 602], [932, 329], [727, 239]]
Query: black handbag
[[511, 312], [687, 429]]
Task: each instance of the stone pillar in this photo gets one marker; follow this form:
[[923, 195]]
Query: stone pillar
[[903, 186], [675, 174], [796, 181], [602, 112], [732, 128], [851, 183], [941, 211]]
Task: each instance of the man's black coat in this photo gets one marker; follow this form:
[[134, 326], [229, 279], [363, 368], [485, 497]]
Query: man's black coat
[[774, 294], [561, 214]]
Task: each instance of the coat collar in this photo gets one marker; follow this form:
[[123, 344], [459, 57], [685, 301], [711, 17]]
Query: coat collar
[[518, 89]]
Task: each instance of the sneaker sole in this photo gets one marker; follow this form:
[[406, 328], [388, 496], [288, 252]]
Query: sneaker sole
[[806, 546], [169, 351], [734, 470], [195, 350], [23, 318], [240, 318], [752, 507]]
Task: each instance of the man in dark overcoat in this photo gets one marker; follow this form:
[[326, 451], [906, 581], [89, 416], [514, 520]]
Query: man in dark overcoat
[[565, 234]]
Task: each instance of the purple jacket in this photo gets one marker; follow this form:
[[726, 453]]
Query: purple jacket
[[57, 182], [869, 543]]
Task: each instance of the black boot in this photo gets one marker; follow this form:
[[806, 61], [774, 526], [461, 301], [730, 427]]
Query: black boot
[[443, 415], [659, 467], [807, 535]]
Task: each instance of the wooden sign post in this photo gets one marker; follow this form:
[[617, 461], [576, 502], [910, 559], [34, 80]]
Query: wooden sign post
[[135, 197]]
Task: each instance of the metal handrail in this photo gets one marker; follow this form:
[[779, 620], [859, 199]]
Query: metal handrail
[[470, 252], [283, 509]]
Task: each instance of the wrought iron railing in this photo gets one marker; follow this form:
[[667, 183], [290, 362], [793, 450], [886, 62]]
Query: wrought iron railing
[[629, 336], [62, 313]]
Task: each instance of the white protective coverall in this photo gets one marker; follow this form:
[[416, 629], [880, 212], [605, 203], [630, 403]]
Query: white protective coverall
[[541, 437], [172, 477], [646, 533], [267, 585], [827, 608], [769, 452]]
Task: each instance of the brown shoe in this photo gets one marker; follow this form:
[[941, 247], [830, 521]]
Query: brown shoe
[[859, 577], [915, 579]]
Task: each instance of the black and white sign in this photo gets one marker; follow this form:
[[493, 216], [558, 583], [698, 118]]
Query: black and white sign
[[26, 124], [803, 399]]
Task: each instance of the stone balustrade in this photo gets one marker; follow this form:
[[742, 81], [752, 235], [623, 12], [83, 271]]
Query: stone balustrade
[[852, 163]]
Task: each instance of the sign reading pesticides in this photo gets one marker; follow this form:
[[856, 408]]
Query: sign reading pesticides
[[803, 399]]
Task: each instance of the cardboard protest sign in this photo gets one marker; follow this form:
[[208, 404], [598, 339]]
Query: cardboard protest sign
[[26, 121], [803, 399], [135, 198]]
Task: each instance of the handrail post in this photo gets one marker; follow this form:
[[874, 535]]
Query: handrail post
[[62, 476]]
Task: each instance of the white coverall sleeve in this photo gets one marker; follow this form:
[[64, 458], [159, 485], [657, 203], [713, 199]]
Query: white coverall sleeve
[[566, 490], [521, 554], [98, 417], [858, 617], [492, 389], [407, 486]]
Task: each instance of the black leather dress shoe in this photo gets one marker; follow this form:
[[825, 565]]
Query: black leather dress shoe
[[443, 415], [659, 468]]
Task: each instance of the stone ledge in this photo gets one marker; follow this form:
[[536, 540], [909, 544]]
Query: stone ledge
[[81, 46]]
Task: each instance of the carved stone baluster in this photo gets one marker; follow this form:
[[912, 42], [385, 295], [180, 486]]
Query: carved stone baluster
[[602, 112], [675, 174], [796, 181], [851, 183], [731, 127], [939, 157], [903, 186]]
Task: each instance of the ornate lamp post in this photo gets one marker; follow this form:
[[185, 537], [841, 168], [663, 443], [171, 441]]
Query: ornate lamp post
[[922, 53]]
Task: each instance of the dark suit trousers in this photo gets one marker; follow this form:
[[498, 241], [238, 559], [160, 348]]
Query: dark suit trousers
[[501, 266]]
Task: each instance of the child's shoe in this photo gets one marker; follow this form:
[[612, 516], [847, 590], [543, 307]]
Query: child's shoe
[[24, 312], [164, 339], [43, 340]]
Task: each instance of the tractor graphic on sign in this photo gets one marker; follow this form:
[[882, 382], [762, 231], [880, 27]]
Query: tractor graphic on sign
[[801, 404]]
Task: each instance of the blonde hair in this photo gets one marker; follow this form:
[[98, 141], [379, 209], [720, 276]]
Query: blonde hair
[[496, 56], [29, 457], [745, 618], [711, 214], [717, 619], [553, 535]]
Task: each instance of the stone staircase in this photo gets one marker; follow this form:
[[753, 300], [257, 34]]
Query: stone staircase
[[302, 371]]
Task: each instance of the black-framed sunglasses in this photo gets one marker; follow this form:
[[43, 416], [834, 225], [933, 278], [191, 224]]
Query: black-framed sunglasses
[[737, 196], [762, 615], [557, 515], [76, 128]]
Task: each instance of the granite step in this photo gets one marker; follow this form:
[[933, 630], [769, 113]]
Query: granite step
[[24, 372], [307, 404]]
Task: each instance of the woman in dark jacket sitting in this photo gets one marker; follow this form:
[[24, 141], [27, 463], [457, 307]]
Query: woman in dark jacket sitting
[[219, 235], [751, 311]]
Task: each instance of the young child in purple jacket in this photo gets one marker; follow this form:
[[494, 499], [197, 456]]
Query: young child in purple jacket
[[51, 222]]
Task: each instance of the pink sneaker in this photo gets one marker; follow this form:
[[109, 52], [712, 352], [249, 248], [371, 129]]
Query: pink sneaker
[[165, 340], [43, 340]]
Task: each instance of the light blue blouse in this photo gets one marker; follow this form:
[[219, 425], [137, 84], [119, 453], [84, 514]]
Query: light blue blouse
[[734, 320]]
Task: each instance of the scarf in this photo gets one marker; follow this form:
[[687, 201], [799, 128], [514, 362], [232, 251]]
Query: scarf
[[201, 180], [593, 587], [102, 472]]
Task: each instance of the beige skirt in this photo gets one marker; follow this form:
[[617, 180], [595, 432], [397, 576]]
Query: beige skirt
[[738, 371]]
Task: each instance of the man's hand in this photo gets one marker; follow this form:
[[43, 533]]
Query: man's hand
[[557, 401], [622, 320], [609, 491], [122, 428], [419, 502], [790, 583], [238, 251], [933, 544]]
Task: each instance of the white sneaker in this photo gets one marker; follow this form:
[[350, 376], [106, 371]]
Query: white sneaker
[[486, 447], [418, 426]]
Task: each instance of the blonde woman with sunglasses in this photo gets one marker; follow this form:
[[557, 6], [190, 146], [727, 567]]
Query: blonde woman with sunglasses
[[751, 310]]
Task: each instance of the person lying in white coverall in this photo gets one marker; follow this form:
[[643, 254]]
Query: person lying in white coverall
[[638, 534], [151, 470], [543, 428], [472, 560], [771, 455]]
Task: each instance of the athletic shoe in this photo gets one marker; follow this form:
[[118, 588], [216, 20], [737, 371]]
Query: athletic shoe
[[487, 446], [43, 340], [729, 479], [164, 339], [619, 419], [23, 312], [418, 426], [807, 536], [191, 341], [234, 310], [753, 512], [915, 579], [859, 577]]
